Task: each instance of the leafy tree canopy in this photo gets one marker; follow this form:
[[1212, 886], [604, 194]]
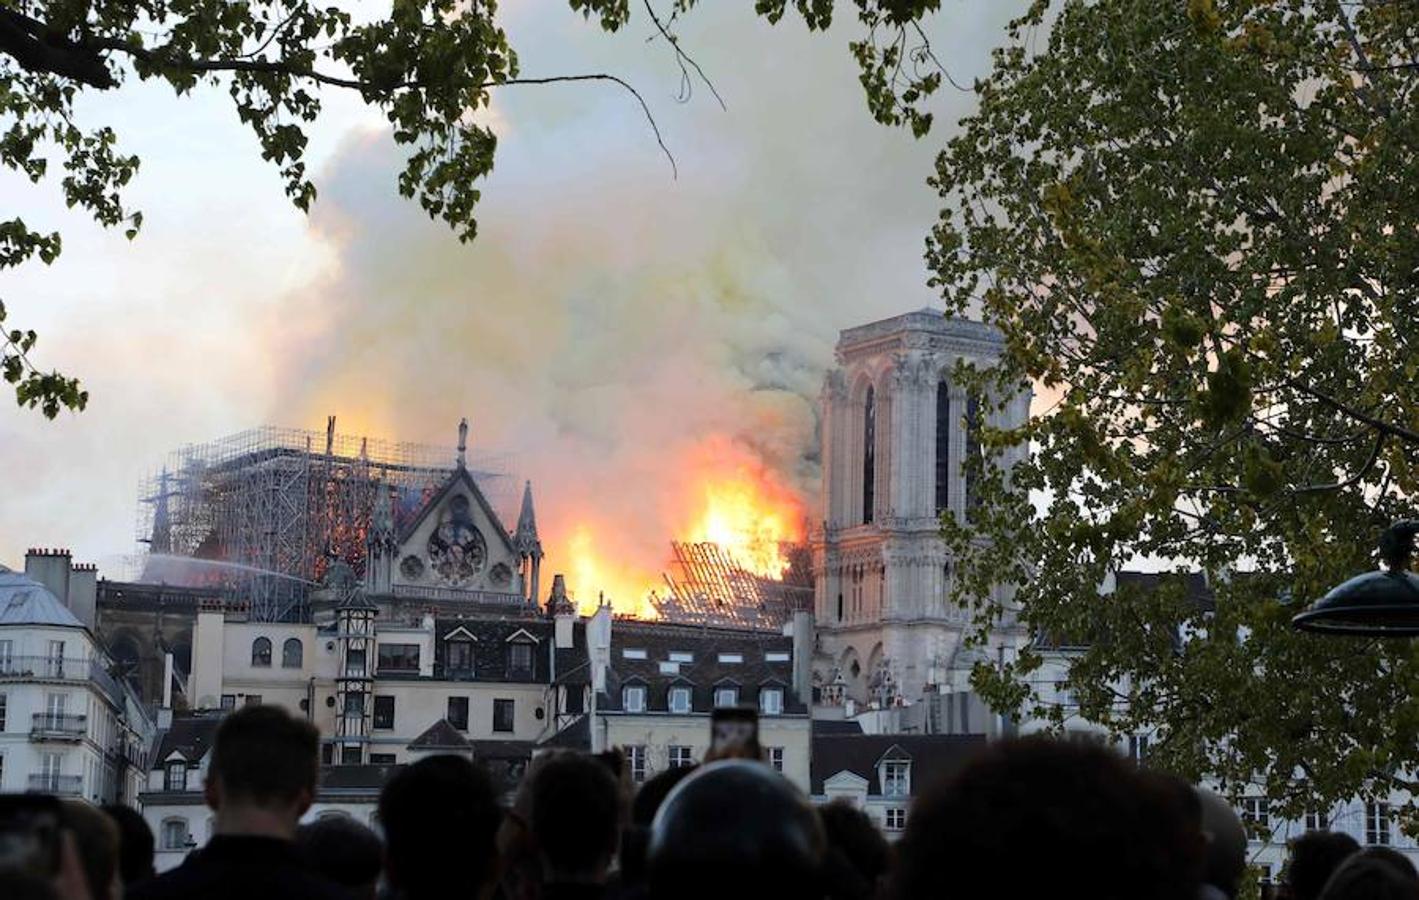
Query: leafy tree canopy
[[1197, 226], [427, 65]]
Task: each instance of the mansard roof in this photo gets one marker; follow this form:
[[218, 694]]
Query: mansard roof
[[933, 756], [492, 659], [658, 672], [189, 736], [24, 601]]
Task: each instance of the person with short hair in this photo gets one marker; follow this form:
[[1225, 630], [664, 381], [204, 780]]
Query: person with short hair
[[344, 851], [575, 819], [1315, 856], [260, 780], [1088, 823], [440, 818], [96, 838], [135, 844], [858, 855], [1372, 876]]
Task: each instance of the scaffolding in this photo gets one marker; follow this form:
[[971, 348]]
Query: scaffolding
[[707, 586], [265, 511]]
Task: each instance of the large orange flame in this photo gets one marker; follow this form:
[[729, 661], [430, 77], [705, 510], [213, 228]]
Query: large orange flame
[[726, 495]]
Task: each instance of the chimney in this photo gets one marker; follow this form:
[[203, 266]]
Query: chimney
[[51, 569], [802, 627], [563, 613], [83, 594]]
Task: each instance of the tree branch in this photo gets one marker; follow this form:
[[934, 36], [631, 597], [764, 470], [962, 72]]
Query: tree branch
[[1398, 431], [38, 49]]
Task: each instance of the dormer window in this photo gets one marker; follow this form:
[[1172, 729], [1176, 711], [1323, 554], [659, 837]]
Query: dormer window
[[731, 658], [460, 656], [633, 698], [520, 658], [726, 695], [778, 656], [175, 776], [680, 699], [681, 656], [632, 653], [896, 778], [771, 701]]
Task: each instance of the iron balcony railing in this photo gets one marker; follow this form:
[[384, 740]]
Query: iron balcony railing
[[60, 725], [63, 785], [61, 668], [495, 598]]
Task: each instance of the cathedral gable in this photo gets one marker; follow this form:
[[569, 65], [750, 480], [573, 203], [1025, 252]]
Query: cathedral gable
[[458, 542]]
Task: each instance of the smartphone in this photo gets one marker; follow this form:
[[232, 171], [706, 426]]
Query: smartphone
[[734, 732], [29, 834]]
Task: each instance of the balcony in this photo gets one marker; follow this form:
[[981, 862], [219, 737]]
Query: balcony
[[46, 668], [58, 727], [59, 785], [491, 598]]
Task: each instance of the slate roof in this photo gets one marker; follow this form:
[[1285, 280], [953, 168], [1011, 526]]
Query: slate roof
[[24, 601], [492, 657], [836, 726], [576, 736], [933, 756], [440, 736], [704, 673], [189, 735]]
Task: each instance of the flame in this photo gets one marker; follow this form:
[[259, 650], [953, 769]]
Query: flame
[[725, 494]]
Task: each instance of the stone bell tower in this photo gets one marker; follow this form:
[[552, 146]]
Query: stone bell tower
[[895, 431]]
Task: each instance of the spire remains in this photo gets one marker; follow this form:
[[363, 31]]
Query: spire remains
[[463, 442]]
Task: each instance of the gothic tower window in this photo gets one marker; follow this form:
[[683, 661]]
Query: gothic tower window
[[973, 451], [869, 454], [943, 445]]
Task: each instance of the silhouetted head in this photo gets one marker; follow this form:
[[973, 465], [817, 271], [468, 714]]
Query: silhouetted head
[[1315, 856], [646, 804], [1368, 876], [735, 829], [264, 758], [858, 854], [440, 819], [135, 844], [96, 838], [345, 852], [1226, 857], [576, 817], [1096, 826]]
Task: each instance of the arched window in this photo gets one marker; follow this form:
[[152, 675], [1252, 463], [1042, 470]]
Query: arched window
[[869, 454], [292, 654], [174, 834], [943, 445], [261, 652], [973, 451]]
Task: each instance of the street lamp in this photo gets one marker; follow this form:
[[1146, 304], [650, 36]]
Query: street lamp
[[1382, 603]]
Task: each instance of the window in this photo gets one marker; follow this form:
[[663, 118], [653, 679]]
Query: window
[[520, 658], [680, 756], [894, 818], [726, 696], [253, 699], [460, 656], [1256, 816], [355, 662], [669, 668], [7, 658], [3, 704], [731, 657], [776, 758], [292, 654], [1138, 748], [869, 454], [351, 755], [943, 445], [458, 712], [771, 701], [399, 657], [175, 776], [680, 698], [635, 755], [502, 715], [632, 653], [633, 698], [383, 711], [896, 779], [1377, 824], [355, 704], [778, 656], [54, 665], [973, 454], [682, 656], [261, 652], [175, 834], [1317, 821], [327, 754], [228, 702]]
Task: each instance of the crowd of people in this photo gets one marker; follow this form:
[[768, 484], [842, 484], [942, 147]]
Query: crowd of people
[[1026, 818]]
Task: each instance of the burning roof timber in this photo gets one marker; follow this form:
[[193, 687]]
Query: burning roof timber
[[707, 586]]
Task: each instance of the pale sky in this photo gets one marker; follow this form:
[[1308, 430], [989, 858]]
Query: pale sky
[[609, 324]]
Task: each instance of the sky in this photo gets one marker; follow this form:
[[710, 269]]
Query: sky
[[622, 335]]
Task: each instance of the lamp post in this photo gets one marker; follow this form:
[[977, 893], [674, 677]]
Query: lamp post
[[1383, 603]]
